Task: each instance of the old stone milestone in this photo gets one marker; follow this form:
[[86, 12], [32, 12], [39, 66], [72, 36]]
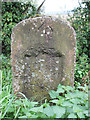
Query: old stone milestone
[[43, 51]]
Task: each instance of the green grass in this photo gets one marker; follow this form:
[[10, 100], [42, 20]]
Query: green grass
[[65, 102]]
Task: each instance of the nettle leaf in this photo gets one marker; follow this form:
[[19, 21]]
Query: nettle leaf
[[59, 111], [80, 115], [69, 109], [72, 115], [60, 90], [24, 110], [48, 111], [70, 95], [67, 103], [22, 117], [58, 102], [32, 104], [37, 109], [54, 101], [41, 115], [34, 116], [59, 86], [76, 109], [81, 94], [53, 94], [69, 88], [75, 100], [28, 114]]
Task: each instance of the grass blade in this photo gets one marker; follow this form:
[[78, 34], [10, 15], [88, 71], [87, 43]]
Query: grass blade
[[17, 112]]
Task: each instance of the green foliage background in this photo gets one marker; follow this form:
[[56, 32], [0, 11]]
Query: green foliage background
[[12, 13], [80, 22]]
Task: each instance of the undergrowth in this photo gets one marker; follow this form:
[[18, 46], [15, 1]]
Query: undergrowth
[[65, 102]]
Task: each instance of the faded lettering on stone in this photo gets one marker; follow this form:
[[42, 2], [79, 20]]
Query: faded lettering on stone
[[43, 55]]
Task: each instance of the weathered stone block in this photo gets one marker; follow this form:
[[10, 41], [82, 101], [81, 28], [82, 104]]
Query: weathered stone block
[[43, 52]]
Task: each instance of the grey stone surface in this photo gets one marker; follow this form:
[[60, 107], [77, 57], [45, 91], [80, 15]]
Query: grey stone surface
[[43, 52]]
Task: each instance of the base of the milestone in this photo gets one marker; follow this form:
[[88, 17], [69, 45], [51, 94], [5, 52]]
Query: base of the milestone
[[43, 52]]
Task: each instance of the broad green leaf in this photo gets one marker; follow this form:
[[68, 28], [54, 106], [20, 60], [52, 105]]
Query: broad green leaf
[[53, 94], [42, 115], [75, 100], [37, 109], [59, 111], [69, 88], [11, 109], [34, 116], [58, 102], [81, 94], [85, 112], [24, 110], [72, 115], [59, 86], [22, 117], [54, 101], [28, 114], [60, 90], [69, 109], [67, 103], [82, 107], [32, 104], [76, 109], [68, 96], [80, 115], [48, 111], [61, 98]]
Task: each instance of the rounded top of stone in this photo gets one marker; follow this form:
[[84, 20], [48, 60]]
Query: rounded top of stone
[[53, 18]]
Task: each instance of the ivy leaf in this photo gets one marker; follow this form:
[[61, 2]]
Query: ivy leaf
[[72, 115], [48, 111], [80, 115], [59, 111], [53, 94]]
